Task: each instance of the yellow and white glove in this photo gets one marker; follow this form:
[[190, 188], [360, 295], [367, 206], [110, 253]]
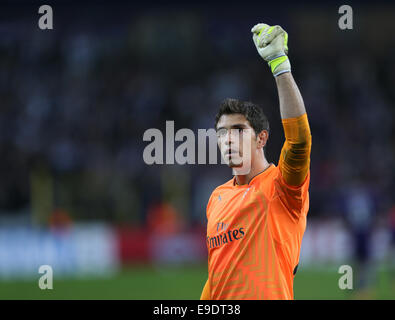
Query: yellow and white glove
[[271, 43]]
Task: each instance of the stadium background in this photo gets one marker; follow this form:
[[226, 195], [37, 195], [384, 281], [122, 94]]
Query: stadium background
[[75, 102]]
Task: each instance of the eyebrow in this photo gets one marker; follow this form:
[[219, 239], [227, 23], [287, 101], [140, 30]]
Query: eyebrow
[[236, 126]]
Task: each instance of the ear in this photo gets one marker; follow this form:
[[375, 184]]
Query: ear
[[262, 138]]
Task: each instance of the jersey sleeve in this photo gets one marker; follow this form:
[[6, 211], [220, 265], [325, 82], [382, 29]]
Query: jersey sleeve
[[293, 178], [293, 198], [294, 162]]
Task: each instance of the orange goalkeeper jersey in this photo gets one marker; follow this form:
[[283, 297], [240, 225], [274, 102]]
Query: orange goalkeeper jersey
[[254, 231], [254, 235]]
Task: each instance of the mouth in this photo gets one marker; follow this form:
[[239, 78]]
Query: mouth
[[231, 153]]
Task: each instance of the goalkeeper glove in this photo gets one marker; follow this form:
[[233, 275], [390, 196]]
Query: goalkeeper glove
[[271, 43]]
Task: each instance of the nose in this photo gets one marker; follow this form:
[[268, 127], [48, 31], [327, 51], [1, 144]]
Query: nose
[[228, 138]]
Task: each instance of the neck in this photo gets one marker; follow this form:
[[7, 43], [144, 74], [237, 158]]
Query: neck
[[256, 168]]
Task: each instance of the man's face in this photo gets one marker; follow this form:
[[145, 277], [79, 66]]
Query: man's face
[[236, 140]]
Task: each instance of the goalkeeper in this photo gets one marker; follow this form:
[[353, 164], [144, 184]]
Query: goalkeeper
[[256, 220]]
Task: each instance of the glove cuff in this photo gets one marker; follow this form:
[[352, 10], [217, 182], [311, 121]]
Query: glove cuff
[[279, 64]]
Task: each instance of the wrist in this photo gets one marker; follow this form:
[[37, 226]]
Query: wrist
[[279, 64]]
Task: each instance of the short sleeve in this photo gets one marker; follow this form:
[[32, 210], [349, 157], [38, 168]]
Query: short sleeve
[[293, 199]]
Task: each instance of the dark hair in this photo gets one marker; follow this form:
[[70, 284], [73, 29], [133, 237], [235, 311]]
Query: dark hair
[[252, 113]]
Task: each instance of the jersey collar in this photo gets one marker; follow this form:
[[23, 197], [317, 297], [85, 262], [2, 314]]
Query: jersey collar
[[253, 178]]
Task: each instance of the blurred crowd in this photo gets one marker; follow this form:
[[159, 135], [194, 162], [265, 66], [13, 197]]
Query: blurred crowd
[[76, 101]]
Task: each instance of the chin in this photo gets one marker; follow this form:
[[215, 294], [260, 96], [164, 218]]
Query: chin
[[235, 165]]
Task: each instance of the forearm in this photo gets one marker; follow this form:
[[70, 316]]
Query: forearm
[[295, 156], [291, 101]]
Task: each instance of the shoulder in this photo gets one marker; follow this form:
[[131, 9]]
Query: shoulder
[[220, 189], [266, 177], [225, 186], [281, 181], [295, 197], [274, 183]]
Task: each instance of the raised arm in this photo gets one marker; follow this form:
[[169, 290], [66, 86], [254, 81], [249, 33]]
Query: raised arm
[[294, 162], [291, 101]]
